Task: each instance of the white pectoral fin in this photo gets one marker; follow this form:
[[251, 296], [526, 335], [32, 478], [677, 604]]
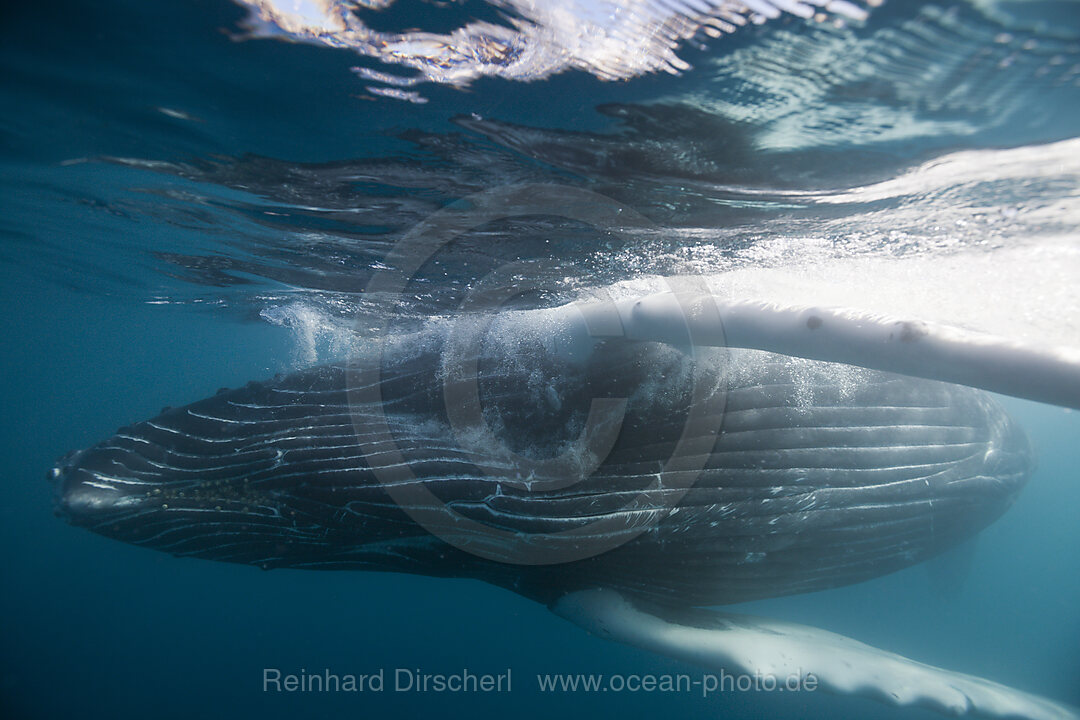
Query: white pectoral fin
[[751, 645], [845, 335]]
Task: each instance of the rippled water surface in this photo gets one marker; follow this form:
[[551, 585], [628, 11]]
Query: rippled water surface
[[197, 194]]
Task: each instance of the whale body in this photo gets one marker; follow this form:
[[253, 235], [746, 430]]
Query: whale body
[[820, 475], [720, 475]]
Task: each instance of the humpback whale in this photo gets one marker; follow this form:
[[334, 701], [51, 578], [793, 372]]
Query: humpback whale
[[720, 475]]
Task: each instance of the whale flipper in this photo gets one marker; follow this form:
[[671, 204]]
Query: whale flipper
[[845, 335], [746, 644]]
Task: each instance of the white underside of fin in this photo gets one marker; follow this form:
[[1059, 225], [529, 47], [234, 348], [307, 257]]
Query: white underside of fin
[[843, 335], [745, 644]]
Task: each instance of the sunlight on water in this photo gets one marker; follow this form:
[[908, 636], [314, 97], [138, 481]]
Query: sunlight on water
[[612, 40], [981, 240]]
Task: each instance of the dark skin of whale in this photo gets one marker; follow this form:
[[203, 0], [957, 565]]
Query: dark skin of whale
[[820, 475]]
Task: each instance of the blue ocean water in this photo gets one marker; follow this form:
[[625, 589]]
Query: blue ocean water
[[181, 210]]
